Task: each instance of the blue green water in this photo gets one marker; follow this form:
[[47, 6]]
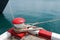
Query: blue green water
[[32, 11], [38, 17], [4, 24], [50, 26]]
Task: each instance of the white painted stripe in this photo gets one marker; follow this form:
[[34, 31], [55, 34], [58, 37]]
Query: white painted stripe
[[55, 36], [5, 36]]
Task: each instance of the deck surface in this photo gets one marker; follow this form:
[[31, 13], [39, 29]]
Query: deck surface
[[28, 37]]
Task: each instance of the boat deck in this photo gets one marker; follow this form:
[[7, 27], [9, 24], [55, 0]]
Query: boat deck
[[28, 37]]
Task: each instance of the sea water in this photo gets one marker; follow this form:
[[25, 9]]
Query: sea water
[[53, 26], [35, 11]]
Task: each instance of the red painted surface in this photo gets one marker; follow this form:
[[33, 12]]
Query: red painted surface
[[42, 33], [45, 34], [18, 20], [20, 35]]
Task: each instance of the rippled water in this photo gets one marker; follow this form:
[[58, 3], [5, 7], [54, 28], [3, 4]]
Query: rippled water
[[39, 17], [35, 11]]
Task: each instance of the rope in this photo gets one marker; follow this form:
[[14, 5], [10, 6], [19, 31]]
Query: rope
[[44, 22]]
